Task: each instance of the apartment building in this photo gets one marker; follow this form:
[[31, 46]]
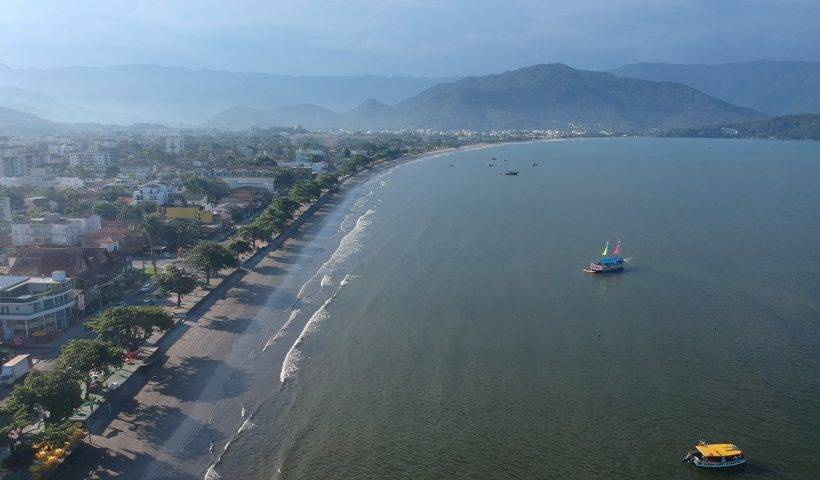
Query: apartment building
[[35, 309], [54, 229]]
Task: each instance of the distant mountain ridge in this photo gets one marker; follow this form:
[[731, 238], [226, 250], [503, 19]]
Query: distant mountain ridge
[[44, 106], [787, 127], [773, 87], [174, 94], [536, 97]]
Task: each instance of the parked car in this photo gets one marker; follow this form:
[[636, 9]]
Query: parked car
[[147, 287]]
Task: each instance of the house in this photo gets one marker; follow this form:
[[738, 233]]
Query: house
[[54, 229], [249, 196], [92, 268], [116, 237], [197, 199], [152, 192], [43, 203], [35, 308], [225, 210]]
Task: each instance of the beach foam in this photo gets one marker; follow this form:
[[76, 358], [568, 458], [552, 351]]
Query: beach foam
[[349, 245]]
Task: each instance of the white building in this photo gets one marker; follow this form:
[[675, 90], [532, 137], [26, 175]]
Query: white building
[[261, 182], [42, 182], [152, 192], [97, 160], [35, 308], [173, 145], [53, 229], [315, 167]]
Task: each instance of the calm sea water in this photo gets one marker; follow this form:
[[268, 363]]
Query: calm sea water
[[458, 338]]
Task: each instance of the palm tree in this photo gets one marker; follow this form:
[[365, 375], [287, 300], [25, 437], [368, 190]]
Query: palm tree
[[153, 228]]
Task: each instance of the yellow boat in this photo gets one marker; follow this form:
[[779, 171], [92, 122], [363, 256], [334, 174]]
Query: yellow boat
[[715, 455]]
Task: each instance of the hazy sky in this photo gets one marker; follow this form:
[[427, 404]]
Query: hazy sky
[[402, 37]]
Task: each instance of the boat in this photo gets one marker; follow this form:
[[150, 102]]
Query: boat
[[511, 172], [490, 164], [715, 455], [607, 262], [534, 164], [493, 158]]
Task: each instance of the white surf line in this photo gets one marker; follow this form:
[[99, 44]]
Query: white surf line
[[348, 246]]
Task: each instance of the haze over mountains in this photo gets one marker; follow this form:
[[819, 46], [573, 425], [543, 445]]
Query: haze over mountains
[[638, 98], [173, 95], [772, 87], [536, 97]]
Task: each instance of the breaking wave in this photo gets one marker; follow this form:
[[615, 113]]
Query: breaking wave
[[349, 245]]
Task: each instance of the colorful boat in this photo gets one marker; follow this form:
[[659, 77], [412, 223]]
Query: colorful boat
[[715, 455], [608, 263]]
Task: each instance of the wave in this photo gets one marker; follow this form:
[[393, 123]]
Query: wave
[[349, 245]]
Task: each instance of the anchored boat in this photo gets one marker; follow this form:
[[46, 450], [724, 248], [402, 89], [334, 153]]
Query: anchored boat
[[511, 172], [608, 263], [715, 455]]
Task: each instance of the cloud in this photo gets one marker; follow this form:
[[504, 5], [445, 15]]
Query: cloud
[[410, 37]]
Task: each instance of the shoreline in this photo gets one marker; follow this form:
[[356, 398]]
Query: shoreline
[[180, 416]]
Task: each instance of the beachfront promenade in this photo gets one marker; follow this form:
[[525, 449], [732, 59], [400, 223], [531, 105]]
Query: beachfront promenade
[[173, 420]]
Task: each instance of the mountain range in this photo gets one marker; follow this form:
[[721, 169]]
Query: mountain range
[[633, 98], [173, 94], [537, 97], [772, 87]]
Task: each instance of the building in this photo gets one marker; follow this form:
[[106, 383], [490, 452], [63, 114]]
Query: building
[[95, 160], [262, 182], [30, 181], [15, 165], [153, 192], [308, 155], [35, 308], [54, 229], [189, 213], [173, 145]]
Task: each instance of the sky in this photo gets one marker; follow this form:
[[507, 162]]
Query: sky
[[403, 37]]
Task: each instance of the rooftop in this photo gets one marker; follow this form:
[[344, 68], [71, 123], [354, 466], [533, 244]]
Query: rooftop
[[718, 450]]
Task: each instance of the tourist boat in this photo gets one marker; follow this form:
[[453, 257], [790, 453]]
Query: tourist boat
[[715, 455], [608, 263], [511, 172]]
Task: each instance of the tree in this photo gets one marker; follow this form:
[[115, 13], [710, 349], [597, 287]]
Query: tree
[[214, 188], [238, 247], [105, 210], [153, 228], [55, 391], [303, 192], [210, 257], [129, 327], [84, 356], [326, 180], [176, 280], [253, 231], [130, 214]]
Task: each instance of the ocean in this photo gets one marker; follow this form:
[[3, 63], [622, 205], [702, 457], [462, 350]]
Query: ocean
[[450, 332]]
